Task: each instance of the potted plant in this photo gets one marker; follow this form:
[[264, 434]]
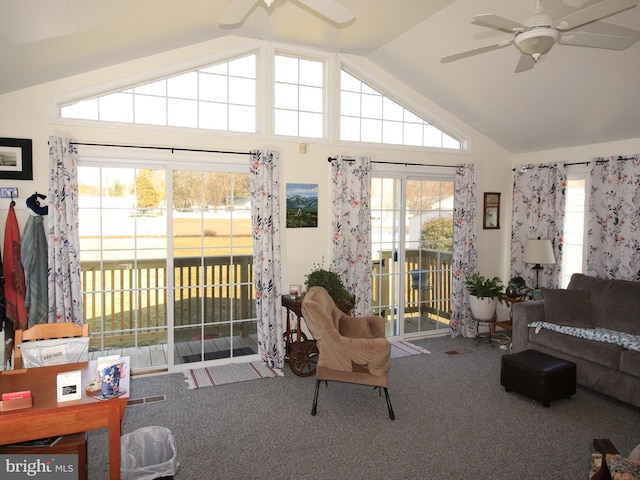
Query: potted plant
[[484, 295], [333, 285]]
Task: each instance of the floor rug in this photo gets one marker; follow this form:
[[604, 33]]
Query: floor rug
[[405, 349], [237, 352], [231, 373]]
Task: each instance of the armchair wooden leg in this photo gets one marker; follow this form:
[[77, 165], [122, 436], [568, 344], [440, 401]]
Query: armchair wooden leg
[[386, 394], [315, 398]]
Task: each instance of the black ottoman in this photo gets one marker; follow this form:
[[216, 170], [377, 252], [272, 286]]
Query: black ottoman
[[539, 376]]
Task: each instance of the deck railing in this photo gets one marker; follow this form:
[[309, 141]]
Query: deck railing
[[125, 298], [431, 294]]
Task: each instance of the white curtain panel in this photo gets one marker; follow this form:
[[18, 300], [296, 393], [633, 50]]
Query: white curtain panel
[[465, 254], [539, 197], [63, 237], [267, 262], [613, 220], [351, 228]]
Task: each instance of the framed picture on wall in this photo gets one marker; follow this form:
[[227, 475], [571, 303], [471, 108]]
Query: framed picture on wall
[[16, 159], [302, 205], [491, 212]]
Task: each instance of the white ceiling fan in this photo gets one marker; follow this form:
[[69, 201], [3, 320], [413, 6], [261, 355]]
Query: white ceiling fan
[[538, 33], [330, 9]]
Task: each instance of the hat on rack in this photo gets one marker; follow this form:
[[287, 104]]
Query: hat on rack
[[34, 204]]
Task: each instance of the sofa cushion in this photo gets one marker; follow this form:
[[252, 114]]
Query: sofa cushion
[[630, 363], [571, 308], [615, 303], [605, 354]]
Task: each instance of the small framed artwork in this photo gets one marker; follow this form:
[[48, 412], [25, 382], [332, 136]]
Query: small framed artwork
[[302, 205], [491, 213], [16, 161]]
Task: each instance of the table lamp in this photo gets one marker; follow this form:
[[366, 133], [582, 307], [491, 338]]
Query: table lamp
[[538, 251]]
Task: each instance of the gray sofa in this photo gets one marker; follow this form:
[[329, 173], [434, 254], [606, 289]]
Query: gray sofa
[[582, 311]]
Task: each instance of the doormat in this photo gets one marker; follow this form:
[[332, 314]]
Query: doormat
[[406, 349], [460, 351], [237, 352], [231, 373]]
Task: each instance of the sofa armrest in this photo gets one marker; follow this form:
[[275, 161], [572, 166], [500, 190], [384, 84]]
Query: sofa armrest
[[523, 313]]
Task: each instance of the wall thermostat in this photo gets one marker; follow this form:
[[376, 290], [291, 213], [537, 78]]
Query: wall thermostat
[[69, 386]]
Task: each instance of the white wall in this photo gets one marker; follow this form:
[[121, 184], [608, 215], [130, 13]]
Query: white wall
[[25, 114], [582, 153]]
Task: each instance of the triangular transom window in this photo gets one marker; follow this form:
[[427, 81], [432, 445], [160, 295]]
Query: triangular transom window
[[366, 115], [218, 97]]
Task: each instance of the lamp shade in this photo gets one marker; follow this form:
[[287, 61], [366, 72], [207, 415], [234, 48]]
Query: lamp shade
[[538, 251]]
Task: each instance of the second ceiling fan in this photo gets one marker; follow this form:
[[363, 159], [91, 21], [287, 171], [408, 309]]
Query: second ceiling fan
[[537, 34]]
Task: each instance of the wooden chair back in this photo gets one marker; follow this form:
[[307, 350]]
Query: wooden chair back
[[47, 331]]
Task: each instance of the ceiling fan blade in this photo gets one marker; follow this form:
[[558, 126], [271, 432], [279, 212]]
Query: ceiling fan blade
[[475, 51], [584, 39], [525, 63], [594, 12], [236, 12], [330, 9], [498, 22]]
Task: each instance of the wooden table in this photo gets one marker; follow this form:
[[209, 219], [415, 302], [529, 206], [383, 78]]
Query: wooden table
[[49, 418], [293, 334], [506, 324]]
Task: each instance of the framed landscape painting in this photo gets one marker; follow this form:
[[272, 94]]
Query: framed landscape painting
[[16, 161], [302, 205]]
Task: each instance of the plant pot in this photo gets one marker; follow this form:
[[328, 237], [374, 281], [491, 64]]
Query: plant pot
[[483, 308]]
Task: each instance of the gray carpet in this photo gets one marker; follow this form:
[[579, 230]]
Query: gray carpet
[[453, 421]]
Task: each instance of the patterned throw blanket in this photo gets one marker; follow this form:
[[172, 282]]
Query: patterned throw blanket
[[625, 340]]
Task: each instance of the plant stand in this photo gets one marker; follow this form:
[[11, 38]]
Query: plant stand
[[484, 337]]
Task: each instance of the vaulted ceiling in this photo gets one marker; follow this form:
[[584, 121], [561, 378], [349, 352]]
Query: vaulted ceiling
[[573, 96]]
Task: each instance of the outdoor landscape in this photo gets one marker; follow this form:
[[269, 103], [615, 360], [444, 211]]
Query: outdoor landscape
[[127, 233]]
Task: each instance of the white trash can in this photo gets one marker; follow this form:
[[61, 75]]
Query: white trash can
[[148, 453]]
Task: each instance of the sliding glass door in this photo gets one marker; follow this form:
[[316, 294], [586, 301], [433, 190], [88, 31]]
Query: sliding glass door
[[214, 310], [123, 252], [412, 232], [167, 263]]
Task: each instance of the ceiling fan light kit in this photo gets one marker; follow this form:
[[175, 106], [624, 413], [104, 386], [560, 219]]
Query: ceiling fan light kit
[[536, 42], [539, 33]]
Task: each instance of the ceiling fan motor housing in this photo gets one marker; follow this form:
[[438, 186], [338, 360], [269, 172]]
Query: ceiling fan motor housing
[[540, 36]]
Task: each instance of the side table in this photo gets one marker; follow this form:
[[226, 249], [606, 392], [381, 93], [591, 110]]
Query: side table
[[300, 352], [293, 333], [506, 324]]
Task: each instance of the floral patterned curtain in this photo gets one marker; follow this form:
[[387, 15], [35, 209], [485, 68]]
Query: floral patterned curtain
[[64, 279], [351, 228], [613, 220], [465, 254], [267, 263], [539, 197]]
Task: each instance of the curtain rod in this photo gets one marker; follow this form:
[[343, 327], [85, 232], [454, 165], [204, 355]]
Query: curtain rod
[[350, 159], [172, 149], [601, 160], [547, 166]]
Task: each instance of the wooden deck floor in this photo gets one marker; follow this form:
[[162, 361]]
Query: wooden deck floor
[[156, 356]]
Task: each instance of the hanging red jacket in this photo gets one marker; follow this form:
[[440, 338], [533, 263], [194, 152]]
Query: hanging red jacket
[[14, 282]]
